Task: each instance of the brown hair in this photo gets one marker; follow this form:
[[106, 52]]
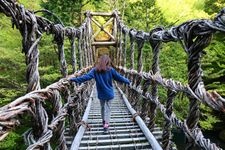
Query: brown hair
[[104, 63]]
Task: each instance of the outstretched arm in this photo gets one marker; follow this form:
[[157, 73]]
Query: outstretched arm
[[83, 78], [119, 77]]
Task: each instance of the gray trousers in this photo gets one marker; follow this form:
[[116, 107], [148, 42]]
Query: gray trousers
[[105, 110]]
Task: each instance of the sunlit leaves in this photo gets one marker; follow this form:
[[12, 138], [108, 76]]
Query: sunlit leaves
[[207, 119], [181, 10], [134, 1], [213, 65], [30, 4], [212, 7]]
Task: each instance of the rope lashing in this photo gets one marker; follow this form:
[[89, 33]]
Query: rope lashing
[[84, 124], [140, 43], [72, 34], [132, 38], [134, 116]]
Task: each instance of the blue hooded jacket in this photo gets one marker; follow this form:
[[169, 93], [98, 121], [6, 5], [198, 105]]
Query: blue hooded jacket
[[103, 81]]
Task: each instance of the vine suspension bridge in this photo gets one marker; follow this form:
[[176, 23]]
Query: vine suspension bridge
[[69, 114]]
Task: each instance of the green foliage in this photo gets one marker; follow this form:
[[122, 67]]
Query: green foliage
[[49, 76], [143, 15], [181, 106], [173, 62], [30, 4], [185, 10], [208, 122], [212, 7], [11, 37], [98, 5], [7, 95], [213, 65], [207, 118], [13, 141], [69, 11], [12, 66], [147, 57]]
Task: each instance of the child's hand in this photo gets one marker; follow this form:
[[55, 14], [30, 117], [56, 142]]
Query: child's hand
[[69, 77], [130, 84]]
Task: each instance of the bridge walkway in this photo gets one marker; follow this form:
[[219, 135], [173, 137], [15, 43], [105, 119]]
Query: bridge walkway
[[124, 132]]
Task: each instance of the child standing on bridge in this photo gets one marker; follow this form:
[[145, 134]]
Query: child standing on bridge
[[103, 73]]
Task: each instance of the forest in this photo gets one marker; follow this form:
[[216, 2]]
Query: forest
[[139, 14]]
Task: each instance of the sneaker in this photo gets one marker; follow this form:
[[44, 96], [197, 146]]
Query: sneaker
[[106, 128], [106, 125]]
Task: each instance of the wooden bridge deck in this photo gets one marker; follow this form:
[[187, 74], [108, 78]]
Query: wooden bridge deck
[[124, 133]]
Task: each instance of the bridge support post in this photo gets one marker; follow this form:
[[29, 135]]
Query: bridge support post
[[59, 39], [166, 143], [195, 45], [155, 68], [72, 34], [31, 36], [80, 48]]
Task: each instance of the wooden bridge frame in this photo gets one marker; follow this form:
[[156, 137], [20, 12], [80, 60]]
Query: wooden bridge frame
[[101, 46], [113, 40]]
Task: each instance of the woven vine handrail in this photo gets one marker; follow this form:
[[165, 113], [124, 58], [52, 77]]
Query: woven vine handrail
[[173, 87], [194, 36], [35, 101]]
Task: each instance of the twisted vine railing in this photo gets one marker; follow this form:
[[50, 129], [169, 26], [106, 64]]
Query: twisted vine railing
[[193, 35], [62, 102], [31, 28]]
